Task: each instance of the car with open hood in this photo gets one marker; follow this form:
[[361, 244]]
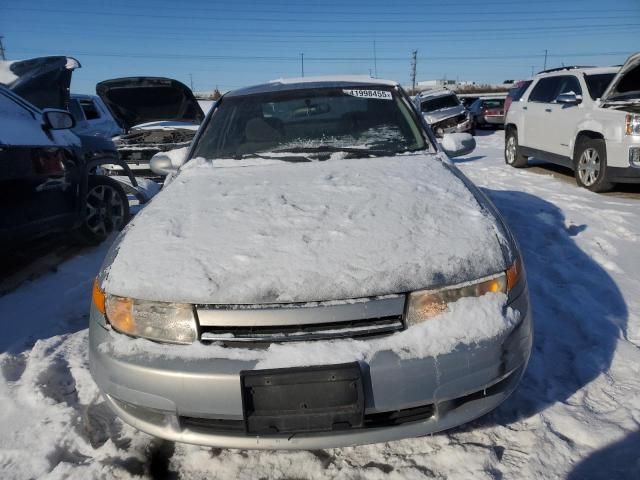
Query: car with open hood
[[583, 118], [157, 114], [443, 111], [50, 177], [316, 273]]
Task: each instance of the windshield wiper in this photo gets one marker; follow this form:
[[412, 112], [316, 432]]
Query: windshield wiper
[[331, 149]]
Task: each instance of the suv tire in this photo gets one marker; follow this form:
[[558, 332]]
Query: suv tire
[[512, 155], [590, 164], [106, 209]]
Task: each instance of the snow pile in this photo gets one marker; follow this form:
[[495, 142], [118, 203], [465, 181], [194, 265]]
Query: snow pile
[[6, 75], [291, 232], [437, 336]]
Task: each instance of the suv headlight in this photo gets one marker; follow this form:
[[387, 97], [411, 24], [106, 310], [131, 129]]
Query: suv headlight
[[160, 321], [427, 304], [632, 124]]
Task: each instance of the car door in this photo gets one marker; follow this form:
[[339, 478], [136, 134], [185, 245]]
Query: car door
[[564, 117], [39, 173], [536, 124]]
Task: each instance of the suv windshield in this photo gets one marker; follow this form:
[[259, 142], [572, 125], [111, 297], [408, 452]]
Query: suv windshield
[[439, 103], [597, 84], [361, 122]]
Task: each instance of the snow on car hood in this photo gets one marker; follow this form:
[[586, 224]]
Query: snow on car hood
[[626, 82], [442, 114], [299, 232], [138, 100]]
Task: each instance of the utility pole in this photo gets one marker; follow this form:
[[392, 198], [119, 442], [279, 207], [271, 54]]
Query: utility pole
[[414, 63], [375, 60], [302, 63], [532, 70], [191, 81], [545, 60], [2, 56]]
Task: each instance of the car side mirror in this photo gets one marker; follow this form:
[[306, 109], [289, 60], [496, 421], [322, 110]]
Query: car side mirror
[[457, 144], [569, 98], [161, 164], [55, 119]]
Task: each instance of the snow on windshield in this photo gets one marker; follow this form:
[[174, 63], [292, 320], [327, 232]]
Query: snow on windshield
[[334, 117], [371, 138]]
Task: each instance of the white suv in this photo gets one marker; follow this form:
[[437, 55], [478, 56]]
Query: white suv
[[584, 118]]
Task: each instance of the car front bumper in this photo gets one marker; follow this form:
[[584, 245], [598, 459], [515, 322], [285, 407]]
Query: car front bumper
[[199, 400]]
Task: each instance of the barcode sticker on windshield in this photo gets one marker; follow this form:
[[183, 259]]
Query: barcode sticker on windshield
[[378, 94]]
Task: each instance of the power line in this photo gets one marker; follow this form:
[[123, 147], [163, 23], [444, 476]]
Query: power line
[[331, 58], [305, 19]]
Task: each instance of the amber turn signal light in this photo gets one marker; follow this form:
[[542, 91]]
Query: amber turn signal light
[[98, 297], [513, 274]]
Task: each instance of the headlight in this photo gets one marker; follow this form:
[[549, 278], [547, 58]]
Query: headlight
[[632, 124], [426, 304], [160, 321]]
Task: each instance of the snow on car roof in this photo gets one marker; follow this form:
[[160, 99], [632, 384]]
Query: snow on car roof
[[299, 83], [435, 93]]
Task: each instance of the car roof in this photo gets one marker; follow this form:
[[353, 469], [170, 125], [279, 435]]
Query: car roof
[[441, 92], [585, 70], [302, 83]]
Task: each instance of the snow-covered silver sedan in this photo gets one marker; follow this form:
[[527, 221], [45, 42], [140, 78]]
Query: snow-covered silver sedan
[[316, 274]]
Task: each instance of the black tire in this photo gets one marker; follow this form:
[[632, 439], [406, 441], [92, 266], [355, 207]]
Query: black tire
[[472, 130], [512, 155], [106, 209], [590, 164]]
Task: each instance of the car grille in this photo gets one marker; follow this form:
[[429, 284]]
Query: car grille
[[371, 420], [451, 122], [264, 324], [303, 333]]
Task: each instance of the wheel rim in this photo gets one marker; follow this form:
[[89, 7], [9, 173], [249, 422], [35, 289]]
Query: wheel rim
[[105, 210], [511, 150], [589, 167]]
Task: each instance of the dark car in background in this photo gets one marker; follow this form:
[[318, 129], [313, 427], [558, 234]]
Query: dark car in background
[[515, 93], [487, 112], [157, 114], [49, 177]]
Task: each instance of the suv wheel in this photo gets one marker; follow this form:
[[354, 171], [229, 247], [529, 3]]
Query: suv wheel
[[512, 155], [106, 209], [590, 165]]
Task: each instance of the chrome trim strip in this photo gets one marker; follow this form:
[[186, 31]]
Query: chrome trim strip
[[298, 314]]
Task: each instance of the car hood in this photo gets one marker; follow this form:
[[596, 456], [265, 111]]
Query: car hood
[[138, 100], [442, 114], [301, 232], [626, 82], [43, 81]]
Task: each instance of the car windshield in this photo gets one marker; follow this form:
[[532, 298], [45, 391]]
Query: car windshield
[[360, 122], [597, 84], [497, 103], [516, 92], [439, 103]]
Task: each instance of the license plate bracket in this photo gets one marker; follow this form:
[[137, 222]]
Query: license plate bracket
[[303, 399]]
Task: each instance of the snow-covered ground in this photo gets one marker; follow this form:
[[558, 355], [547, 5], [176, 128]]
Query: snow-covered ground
[[576, 413]]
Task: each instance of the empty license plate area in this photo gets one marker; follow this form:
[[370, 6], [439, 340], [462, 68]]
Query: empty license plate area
[[307, 399]]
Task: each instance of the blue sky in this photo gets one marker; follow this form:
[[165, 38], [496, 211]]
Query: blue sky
[[233, 44]]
